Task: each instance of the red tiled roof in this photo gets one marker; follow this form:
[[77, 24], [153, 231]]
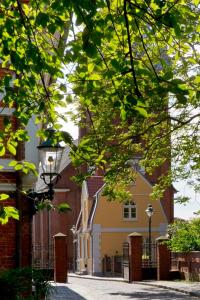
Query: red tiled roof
[[94, 183]]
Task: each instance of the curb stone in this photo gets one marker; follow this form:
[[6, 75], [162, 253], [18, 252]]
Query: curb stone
[[117, 279], [193, 294]]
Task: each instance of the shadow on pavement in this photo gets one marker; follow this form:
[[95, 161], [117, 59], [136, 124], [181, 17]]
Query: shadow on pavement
[[165, 295], [65, 293]]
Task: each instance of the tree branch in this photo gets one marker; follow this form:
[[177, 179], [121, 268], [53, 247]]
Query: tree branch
[[137, 91], [23, 15], [145, 49]]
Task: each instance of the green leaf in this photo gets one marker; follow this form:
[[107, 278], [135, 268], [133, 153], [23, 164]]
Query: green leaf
[[3, 197], [142, 111], [18, 167], [181, 99], [42, 19], [2, 150], [11, 148], [6, 121], [90, 49], [11, 212], [90, 67], [13, 163], [115, 63], [3, 217], [123, 114], [63, 207], [8, 212]]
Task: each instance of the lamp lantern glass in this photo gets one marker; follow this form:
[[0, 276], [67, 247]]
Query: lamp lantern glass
[[50, 156], [149, 211]]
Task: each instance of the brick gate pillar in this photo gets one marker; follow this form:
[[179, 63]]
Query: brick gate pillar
[[163, 259], [135, 253], [60, 258]]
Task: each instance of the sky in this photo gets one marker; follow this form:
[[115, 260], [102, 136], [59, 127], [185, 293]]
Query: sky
[[186, 211], [183, 189]]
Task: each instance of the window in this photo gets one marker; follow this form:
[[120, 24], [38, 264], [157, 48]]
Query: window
[[129, 211]]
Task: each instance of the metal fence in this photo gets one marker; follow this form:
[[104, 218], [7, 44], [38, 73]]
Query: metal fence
[[112, 265], [42, 257], [126, 261], [149, 256]]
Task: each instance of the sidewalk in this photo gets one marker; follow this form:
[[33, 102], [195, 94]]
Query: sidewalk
[[189, 288], [186, 287]]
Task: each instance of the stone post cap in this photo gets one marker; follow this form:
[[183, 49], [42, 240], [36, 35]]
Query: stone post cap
[[134, 234], [59, 234], [162, 238]]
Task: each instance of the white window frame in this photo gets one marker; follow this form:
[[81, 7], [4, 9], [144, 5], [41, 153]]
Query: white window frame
[[129, 205]]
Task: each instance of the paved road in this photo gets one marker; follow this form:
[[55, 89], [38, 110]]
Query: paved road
[[87, 289]]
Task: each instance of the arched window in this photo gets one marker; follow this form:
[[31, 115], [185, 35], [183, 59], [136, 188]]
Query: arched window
[[129, 210]]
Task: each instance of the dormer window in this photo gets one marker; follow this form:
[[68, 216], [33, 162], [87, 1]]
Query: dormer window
[[91, 169], [135, 163], [129, 211]]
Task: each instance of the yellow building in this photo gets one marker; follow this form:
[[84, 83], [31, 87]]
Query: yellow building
[[104, 226]]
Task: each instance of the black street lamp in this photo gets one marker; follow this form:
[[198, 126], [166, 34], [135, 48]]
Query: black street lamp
[[149, 212], [50, 155]]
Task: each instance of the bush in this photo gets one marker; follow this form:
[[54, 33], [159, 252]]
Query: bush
[[184, 236], [41, 283], [16, 284]]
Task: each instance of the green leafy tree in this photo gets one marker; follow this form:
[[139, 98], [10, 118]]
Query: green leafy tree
[[184, 236], [131, 66], [137, 80], [31, 51]]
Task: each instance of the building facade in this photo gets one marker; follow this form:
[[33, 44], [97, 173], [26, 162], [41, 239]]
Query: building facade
[[105, 225]]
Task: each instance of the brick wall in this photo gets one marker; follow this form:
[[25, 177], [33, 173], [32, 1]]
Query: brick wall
[[15, 236], [8, 241], [188, 264]]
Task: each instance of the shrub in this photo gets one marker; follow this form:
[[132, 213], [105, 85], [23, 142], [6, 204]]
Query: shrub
[[16, 284], [184, 236], [41, 283]]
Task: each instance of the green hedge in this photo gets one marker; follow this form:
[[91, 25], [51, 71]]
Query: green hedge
[[17, 284]]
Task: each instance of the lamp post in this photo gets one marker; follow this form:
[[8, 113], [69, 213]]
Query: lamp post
[[50, 155], [149, 212], [74, 232]]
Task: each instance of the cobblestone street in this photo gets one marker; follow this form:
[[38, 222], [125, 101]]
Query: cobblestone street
[[88, 289]]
